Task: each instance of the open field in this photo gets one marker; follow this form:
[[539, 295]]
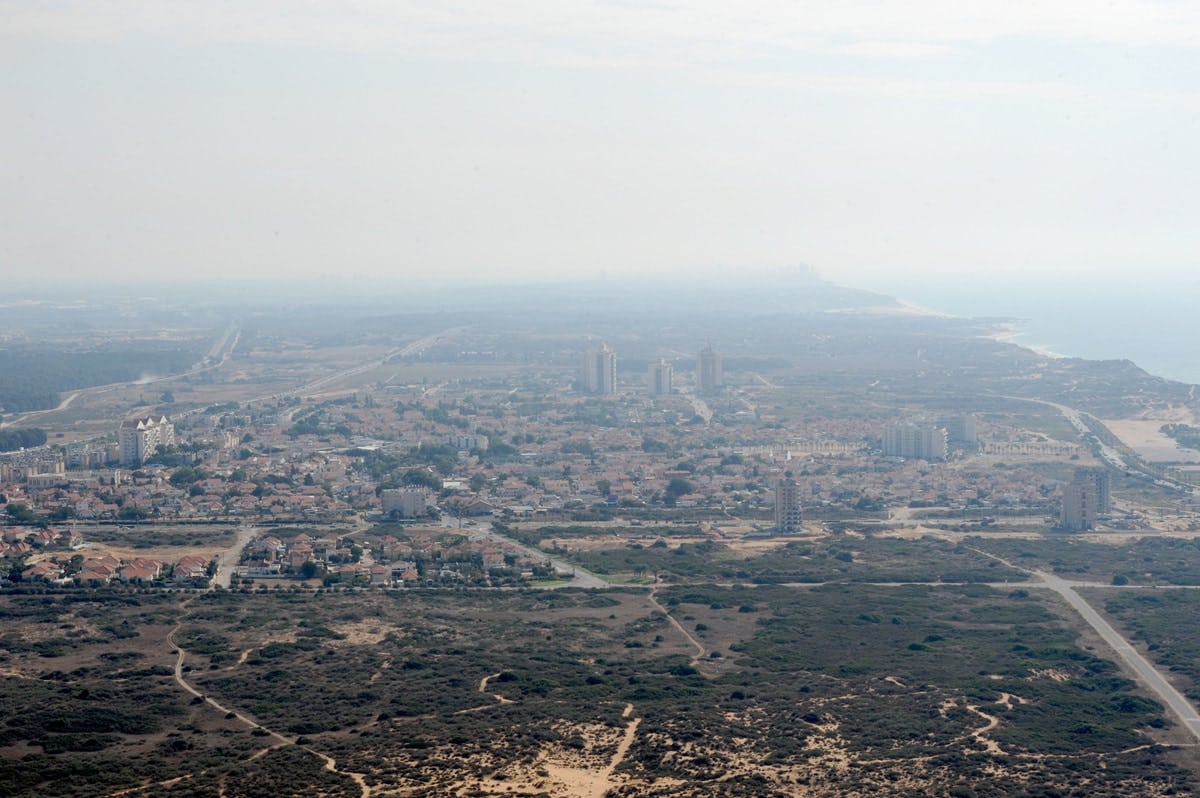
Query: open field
[[768, 691], [1144, 436], [637, 552], [1163, 625], [1143, 561]]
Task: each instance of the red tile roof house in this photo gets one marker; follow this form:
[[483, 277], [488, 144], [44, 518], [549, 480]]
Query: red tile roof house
[[87, 577], [154, 565], [134, 574], [192, 566], [44, 570], [104, 565]]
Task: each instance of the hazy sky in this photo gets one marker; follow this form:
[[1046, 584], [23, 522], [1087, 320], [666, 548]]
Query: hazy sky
[[551, 137]]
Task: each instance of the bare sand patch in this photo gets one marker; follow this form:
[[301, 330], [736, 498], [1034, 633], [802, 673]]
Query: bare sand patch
[[166, 554], [1143, 434], [362, 633], [1049, 673]]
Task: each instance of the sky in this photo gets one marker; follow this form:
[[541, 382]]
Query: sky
[[879, 142]]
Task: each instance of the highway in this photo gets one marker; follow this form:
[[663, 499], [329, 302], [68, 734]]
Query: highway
[[408, 350], [1108, 454]]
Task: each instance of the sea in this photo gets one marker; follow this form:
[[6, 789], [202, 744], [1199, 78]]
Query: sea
[[1154, 323]]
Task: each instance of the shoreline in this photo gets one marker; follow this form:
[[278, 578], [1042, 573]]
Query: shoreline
[[1014, 330], [1150, 326]]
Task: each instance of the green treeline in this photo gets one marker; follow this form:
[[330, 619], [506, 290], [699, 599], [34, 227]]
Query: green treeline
[[31, 377], [11, 440], [1184, 434]]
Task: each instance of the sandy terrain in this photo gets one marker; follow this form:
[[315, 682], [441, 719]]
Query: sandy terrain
[[1142, 435], [166, 554]]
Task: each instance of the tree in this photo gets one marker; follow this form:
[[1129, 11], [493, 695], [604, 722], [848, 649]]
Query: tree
[[421, 477], [21, 514], [604, 487], [678, 486], [188, 475]]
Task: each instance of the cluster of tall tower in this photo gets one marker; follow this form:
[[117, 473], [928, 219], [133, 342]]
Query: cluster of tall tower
[[598, 373]]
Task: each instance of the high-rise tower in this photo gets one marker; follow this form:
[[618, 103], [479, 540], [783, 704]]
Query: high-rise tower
[[788, 513], [1079, 506], [659, 377], [710, 376], [1101, 479], [598, 371]]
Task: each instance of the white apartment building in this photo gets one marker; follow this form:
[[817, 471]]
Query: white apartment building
[[466, 443], [407, 502], [140, 438], [598, 371], [911, 440], [789, 515], [659, 378]]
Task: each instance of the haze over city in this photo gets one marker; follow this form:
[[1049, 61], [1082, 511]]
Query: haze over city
[[599, 399], [524, 141]]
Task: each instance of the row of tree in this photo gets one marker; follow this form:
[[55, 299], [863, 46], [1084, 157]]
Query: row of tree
[[12, 440]]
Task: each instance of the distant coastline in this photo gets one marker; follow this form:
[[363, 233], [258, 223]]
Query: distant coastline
[[1154, 326]]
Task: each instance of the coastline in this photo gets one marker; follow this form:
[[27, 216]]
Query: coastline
[[1108, 323]]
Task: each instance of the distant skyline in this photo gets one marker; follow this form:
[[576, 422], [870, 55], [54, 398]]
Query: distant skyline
[[545, 139]]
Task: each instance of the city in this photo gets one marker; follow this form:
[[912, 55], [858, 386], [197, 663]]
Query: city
[[640, 482]]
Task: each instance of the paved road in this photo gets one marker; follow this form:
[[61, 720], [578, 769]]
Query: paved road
[[582, 578], [1108, 454], [228, 559], [1141, 667], [1146, 672], [414, 348]]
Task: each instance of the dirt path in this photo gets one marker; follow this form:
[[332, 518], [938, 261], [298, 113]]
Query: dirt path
[[483, 683], [586, 783], [980, 735], [700, 650], [281, 740]]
